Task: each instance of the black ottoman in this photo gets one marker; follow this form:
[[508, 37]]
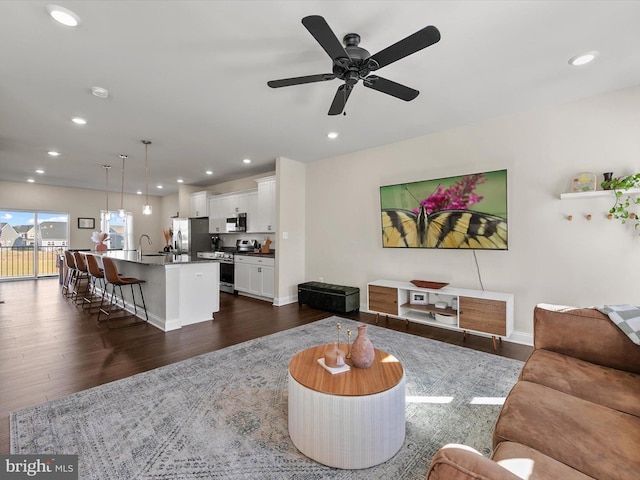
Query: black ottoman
[[325, 296]]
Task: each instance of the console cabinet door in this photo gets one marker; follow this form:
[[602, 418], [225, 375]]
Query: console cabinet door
[[482, 315], [383, 299]]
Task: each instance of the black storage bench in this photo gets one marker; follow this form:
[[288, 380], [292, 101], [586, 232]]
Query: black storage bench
[[325, 296]]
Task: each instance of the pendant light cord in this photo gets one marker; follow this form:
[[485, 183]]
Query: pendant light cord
[[123, 157], [106, 172], [146, 171]]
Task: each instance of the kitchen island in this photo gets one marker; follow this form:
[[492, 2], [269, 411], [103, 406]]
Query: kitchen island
[[179, 290]]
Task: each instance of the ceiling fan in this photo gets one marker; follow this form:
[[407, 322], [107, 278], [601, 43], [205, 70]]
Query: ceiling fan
[[352, 63]]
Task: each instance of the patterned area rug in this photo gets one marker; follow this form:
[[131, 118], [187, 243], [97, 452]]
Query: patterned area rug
[[224, 414]]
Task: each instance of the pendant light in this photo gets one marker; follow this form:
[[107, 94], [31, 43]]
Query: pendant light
[[146, 209], [106, 173], [121, 212]]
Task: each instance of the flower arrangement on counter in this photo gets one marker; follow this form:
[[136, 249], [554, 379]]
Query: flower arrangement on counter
[[167, 234], [99, 238]]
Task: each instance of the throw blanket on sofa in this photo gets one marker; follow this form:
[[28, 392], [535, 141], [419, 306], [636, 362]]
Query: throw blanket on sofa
[[626, 317]]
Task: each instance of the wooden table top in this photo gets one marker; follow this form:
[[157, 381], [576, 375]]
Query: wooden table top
[[385, 373]]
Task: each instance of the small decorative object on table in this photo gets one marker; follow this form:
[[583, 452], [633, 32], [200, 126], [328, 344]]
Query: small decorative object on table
[[333, 356], [583, 182], [362, 353], [349, 343]]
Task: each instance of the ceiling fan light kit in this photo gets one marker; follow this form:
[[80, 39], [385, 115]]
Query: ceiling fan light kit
[[353, 63]]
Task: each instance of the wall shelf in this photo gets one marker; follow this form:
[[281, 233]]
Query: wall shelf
[[597, 193]]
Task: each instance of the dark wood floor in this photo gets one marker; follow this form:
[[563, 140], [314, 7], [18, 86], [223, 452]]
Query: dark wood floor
[[50, 348]]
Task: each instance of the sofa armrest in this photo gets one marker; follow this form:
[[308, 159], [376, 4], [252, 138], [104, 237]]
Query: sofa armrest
[[586, 334], [460, 462]]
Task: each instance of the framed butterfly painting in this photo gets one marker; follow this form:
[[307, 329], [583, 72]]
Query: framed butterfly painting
[[468, 211]]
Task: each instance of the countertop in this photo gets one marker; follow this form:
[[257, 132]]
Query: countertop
[[272, 254], [152, 258]]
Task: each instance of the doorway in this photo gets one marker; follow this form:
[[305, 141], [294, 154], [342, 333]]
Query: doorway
[[31, 242]]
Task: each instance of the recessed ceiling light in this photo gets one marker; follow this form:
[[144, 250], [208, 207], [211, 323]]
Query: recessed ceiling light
[[79, 121], [583, 58], [30, 180], [159, 186], [180, 180], [209, 172], [63, 15], [99, 92], [53, 153], [332, 135], [40, 171], [139, 192], [246, 160]]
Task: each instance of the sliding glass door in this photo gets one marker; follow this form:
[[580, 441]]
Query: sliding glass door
[[30, 243]]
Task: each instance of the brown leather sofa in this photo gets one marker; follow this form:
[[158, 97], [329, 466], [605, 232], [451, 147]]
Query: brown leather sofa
[[574, 413]]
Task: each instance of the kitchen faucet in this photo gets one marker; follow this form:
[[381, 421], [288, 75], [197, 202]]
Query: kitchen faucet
[[140, 243]]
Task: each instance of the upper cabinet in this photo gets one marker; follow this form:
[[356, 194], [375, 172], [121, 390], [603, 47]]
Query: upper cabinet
[[199, 204], [230, 205], [266, 204]]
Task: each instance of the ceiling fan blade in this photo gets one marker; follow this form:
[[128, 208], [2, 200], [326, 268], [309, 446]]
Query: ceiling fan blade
[[319, 28], [287, 82], [412, 44], [390, 88], [340, 100]]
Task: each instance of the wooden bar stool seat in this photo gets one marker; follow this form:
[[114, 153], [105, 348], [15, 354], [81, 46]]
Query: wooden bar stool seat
[[68, 282], [113, 278], [96, 279]]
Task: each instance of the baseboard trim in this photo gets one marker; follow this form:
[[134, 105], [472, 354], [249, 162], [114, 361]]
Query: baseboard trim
[[522, 338], [280, 301]]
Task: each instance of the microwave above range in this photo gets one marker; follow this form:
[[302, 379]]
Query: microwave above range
[[237, 224]]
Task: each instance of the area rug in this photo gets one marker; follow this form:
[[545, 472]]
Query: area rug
[[224, 414]]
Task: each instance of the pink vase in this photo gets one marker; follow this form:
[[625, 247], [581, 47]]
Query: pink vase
[[362, 353], [100, 247], [333, 356]]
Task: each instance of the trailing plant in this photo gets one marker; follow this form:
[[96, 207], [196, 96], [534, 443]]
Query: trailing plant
[[625, 203]]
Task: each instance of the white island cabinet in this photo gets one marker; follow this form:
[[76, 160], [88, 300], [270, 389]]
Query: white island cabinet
[[178, 290]]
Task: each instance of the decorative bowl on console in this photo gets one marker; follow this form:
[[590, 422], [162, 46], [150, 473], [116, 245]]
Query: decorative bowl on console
[[428, 284]]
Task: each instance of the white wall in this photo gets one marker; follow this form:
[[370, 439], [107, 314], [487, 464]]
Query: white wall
[[290, 222], [549, 259], [78, 202]]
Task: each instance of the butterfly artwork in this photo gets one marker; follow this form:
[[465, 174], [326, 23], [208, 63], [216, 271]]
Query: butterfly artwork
[[443, 218]]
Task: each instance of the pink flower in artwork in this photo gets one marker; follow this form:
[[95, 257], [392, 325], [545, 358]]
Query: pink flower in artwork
[[458, 196]]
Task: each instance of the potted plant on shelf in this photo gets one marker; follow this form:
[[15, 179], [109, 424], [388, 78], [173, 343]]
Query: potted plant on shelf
[[626, 202]]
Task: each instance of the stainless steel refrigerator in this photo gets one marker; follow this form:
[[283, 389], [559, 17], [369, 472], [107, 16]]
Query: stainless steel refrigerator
[[191, 235]]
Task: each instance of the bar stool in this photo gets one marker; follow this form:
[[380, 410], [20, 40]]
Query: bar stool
[[115, 280], [96, 277], [68, 285], [83, 274]]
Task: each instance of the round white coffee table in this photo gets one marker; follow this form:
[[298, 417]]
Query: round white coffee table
[[350, 420]]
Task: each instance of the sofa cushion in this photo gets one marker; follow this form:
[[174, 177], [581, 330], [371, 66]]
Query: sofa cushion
[[529, 464], [607, 386], [554, 329], [460, 462], [595, 440]]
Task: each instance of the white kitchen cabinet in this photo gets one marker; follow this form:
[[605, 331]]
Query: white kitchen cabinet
[[217, 220], [230, 205], [255, 275], [199, 204], [489, 313], [252, 212], [266, 204]]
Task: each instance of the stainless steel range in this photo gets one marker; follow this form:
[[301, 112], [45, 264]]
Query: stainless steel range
[[226, 268]]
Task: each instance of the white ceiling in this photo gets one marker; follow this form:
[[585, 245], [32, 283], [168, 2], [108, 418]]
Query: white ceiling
[[191, 76]]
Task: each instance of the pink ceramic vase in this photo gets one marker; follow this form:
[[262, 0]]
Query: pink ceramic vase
[[362, 353], [333, 356], [101, 247]]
